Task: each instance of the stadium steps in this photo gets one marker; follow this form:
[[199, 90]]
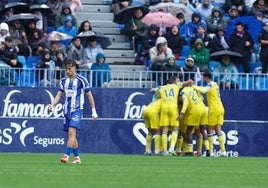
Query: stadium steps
[[101, 19]]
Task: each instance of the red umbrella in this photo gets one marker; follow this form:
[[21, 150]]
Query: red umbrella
[[161, 19]]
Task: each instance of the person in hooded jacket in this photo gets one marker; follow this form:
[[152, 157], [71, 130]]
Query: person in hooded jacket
[[203, 35], [170, 69], [60, 18], [35, 37], [219, 41], [148, 41], [200, 55], [69, 29], [226, 74], [101, 71], [190, 70], [4, 31], [158, 56], [194, 23], [215, 20]]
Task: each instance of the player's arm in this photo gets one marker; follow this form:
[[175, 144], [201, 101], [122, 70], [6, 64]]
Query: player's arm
[[92, 105], [55, 101], [202, 89], [184, 107]]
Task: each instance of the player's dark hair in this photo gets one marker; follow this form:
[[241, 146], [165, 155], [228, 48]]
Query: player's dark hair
[[69, 62], [207, 74]]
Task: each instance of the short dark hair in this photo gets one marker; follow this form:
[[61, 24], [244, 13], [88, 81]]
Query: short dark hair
[[69, 62], [207, 74], [8, 39]]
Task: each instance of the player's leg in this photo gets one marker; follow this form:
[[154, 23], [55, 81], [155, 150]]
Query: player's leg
[[149, 136], [173, 141], [148, 145], [203, 130], [220, 140], [174, 125], [199, 135], [211, 139], [189, 141], [72, 135], [164, 139], [179, 143], [68, 149]]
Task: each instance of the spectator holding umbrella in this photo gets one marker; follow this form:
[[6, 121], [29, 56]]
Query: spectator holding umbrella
[[19, 37], [226, 74], [136, 28]]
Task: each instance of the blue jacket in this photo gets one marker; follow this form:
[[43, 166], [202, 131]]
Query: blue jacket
[[69, 31], [100, 72]]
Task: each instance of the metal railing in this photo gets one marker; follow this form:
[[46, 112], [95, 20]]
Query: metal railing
[[124, 79]]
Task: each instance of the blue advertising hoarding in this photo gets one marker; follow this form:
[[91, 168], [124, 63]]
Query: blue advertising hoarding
[[27, 126]]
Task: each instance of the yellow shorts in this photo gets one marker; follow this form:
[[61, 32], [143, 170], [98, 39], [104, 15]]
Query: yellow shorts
[[215, 118]]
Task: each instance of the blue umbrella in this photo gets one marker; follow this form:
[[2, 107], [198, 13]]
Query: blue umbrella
[[253, 26]]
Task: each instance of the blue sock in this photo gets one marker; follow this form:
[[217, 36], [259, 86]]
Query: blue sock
[[75, 151], [68, 151]]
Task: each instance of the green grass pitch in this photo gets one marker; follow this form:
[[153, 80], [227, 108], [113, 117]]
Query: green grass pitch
[[28, 170]]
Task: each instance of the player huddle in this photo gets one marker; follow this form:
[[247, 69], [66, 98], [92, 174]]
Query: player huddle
[[178, 111]]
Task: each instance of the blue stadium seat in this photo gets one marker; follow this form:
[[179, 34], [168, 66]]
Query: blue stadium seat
[[22, 59], [254, 65], [137, 2], [181, 63], [185, 52], [27, 78], [32, 61], [212, 65], [50, 29], [240, 69], [261, 83], [246, 83]]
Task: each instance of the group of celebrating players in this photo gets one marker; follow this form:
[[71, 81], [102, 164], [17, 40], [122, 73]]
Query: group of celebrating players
[[178, 112]]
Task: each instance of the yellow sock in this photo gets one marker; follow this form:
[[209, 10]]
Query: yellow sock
[[206, 144], [164, 141], [188, 148], [148, 142], [157, 142], [174, 137], [199, 143], [221, 142], [179, 143], [211, 140]]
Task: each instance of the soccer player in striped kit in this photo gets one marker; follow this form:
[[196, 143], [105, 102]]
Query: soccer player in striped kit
[[75, 87]]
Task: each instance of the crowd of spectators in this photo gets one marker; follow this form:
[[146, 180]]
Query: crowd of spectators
[[30, 38], [205, 33]]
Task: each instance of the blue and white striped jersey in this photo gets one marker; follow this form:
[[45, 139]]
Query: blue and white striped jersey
[[74, 90]]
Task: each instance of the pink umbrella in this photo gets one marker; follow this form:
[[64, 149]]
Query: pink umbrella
[[161, 19]]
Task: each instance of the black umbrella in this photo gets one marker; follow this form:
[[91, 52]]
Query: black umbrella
[[23, 16], [42, 8], [217, 56], [102, 39], [225, 52], [126, 14], [17, 7]]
